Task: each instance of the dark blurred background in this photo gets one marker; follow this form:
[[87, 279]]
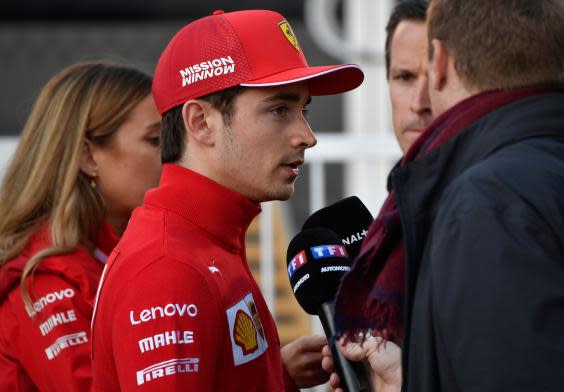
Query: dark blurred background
[[40, 37]]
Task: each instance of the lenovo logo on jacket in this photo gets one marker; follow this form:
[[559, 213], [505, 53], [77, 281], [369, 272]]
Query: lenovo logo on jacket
[[169, 310]]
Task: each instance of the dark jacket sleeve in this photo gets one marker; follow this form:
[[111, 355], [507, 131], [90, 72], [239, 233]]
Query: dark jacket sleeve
[[497, 291]]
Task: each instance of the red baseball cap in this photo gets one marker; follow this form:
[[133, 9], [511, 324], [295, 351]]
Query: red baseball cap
[[253, 48]]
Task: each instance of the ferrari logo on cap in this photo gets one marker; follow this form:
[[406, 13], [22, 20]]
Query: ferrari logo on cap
[[289, 34]]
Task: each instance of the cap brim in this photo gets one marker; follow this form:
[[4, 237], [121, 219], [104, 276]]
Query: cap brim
[[323, 80]]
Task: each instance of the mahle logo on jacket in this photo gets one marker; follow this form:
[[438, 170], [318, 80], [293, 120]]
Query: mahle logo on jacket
[[246, 331]]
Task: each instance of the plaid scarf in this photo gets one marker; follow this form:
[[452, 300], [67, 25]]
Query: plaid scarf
[[371, 295]]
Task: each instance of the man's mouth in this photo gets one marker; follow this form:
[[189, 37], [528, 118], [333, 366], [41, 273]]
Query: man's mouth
[[293, 166], [414, 130]]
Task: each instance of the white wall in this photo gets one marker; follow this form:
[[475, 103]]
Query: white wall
[[7, 147]]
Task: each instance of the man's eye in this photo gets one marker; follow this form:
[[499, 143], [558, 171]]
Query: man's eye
[[305, 112], [280, 111], [404, 77]]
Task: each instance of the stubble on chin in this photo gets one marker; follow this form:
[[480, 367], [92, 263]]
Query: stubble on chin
[[279, 193]]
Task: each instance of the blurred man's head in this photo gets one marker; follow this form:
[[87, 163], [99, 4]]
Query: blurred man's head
[[406, 70], [484, 45]]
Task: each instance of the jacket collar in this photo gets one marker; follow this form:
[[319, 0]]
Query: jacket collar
[[64, 265], [102, 246], [420, 183], [221, 212], [512, 123]]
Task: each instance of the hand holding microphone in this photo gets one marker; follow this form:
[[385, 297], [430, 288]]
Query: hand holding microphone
[[350, 219], [382, 357], [318, 257]]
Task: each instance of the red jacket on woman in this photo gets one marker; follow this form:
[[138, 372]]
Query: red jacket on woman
[[47, 346]]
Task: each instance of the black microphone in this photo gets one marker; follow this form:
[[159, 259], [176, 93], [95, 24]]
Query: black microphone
[[316, 261], [349, 218]]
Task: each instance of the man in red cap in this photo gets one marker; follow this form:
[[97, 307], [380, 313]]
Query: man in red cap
[[178, 308]]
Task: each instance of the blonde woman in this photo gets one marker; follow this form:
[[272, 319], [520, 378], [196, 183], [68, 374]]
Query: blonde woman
[[87, 154]]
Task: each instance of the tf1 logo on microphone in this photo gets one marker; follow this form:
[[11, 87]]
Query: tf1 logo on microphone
[[296, 262], [325, 251]]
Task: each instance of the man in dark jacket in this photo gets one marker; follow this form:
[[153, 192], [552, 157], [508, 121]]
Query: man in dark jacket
[[476, 209]]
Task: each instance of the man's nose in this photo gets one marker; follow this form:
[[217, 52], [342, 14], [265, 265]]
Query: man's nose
[[420, 102], [304, 136]]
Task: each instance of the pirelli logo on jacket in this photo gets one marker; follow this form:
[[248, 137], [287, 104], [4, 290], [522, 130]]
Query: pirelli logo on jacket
[[248, 340], [64, 342], [167, 368]]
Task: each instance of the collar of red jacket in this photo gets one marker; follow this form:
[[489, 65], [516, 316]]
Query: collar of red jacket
[[221, 212], [11, 272], [106, 241]]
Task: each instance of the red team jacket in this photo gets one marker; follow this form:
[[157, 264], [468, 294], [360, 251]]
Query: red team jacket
[[178, 308], [47, 347]]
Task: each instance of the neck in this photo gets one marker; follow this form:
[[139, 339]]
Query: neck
[[450, 96], [118, 223], [201, 163], [448, 88]]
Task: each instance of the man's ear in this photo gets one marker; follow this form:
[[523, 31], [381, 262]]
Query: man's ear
[[438, 65], [201, 121], [86, 163]]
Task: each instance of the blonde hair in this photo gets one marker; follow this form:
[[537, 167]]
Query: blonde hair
[[43, 184]]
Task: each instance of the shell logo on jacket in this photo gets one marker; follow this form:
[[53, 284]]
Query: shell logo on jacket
[[245, 333], [245, 328]]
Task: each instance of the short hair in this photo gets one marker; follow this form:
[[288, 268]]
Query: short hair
[[173, 132], [412, 10], [505, 44]]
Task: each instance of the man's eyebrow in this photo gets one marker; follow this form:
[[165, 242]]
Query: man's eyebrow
[[287, 96], [401, 68]]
